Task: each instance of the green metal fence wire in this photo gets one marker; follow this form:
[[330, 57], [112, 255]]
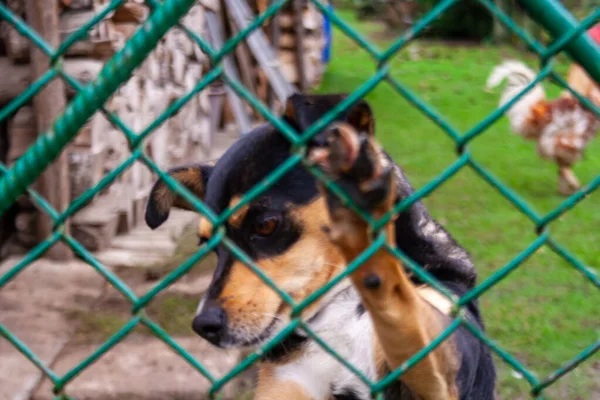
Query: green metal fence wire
[[567, 33]]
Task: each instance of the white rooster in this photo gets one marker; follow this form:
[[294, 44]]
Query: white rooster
[[562, 127]]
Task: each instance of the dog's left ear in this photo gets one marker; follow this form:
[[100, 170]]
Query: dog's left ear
[[162, 199], [301, 111]]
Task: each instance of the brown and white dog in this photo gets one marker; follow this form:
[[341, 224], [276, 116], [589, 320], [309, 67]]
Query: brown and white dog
[[302, 237]]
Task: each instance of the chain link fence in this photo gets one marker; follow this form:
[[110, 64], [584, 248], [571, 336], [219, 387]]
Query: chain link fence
[[16, 181]]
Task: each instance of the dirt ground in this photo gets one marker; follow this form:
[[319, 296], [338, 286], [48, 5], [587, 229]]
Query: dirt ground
[[65, 311]]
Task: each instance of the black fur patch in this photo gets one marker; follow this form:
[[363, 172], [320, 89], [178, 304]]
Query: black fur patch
[[372, 281], [285, 348], [224, 263], [399, 391], [307, 109], [347, 394], [435, 249], [251, 159], [360, 309]]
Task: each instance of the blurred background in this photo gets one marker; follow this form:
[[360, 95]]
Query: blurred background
[[544, 314]]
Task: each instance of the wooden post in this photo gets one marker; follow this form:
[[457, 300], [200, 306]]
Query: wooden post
[[274, 35], [42, 16], [299, 31]]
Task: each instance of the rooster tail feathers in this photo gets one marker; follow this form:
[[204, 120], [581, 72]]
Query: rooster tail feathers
[[518, 77], [516, 72]]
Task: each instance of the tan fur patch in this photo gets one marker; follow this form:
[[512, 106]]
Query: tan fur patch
[[205, 228], [435, 299], [403, 319], [403, 327], [379, 356], [365, 119], [289, 111], [238, 217], [163, 198], [191, 178], [272, 388], [361, 118]]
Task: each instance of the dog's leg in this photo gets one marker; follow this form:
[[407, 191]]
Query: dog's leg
[[404, 322], [270, 387]]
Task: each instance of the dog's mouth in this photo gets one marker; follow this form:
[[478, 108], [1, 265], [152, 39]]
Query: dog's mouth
[[281, 348], [241, 337], [261, 338]]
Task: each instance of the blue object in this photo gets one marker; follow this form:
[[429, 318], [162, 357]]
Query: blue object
[[327, 31]]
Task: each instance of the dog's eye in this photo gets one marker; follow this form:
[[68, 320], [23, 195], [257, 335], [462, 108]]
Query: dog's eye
[[266, 226]]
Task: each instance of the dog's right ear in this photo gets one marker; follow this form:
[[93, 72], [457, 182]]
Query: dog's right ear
[[161, 199]]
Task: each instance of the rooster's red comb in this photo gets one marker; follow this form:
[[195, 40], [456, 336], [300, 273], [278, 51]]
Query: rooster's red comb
[[594, 32]]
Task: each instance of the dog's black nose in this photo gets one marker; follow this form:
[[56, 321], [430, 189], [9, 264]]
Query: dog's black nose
[[211, 323]]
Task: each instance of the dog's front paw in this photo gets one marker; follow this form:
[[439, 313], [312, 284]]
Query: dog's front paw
[[356, 163]]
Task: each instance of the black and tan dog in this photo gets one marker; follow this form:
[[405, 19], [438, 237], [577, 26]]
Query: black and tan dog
[[302, 237]]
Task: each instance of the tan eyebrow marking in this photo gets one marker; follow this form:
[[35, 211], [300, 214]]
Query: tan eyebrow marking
[[205, 227], [238, 217]]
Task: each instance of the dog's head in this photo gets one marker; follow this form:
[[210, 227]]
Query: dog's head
[[281, 230]]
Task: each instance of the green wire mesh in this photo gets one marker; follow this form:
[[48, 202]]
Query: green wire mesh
[[90, 99]]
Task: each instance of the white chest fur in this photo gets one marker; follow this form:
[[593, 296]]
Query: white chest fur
[[350, 334]]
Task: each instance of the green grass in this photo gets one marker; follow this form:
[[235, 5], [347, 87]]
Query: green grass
[[171, 311], [544, 313]]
